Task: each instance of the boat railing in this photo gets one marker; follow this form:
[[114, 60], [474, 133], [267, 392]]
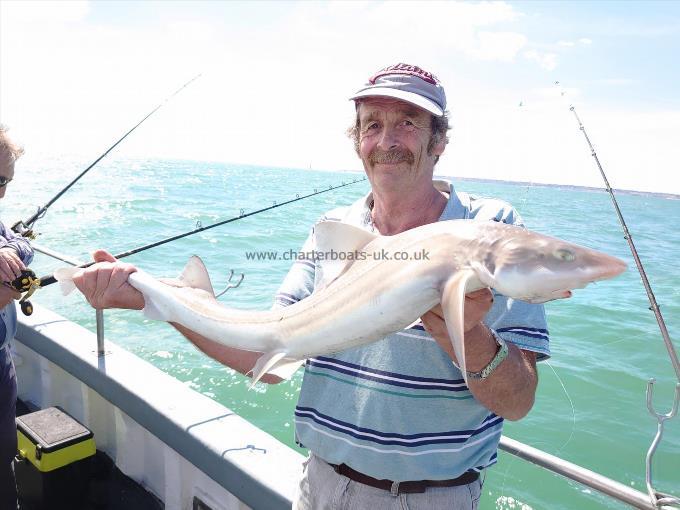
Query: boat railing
[[553, 463]]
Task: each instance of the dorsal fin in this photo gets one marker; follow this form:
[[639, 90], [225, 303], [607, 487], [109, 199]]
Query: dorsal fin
[[337, 244], [195, 275]]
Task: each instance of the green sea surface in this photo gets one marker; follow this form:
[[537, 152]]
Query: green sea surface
[[591, 405]]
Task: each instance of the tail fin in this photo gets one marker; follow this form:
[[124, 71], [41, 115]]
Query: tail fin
[[64, 275]]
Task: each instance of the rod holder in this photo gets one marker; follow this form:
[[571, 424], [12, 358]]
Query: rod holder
[[100, 333]]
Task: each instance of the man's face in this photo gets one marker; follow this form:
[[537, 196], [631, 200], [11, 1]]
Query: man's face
[[6, 170], [393, 140]]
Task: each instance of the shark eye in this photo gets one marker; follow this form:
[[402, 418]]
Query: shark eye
[[565, 255]]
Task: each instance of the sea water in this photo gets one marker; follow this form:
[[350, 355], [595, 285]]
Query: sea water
[[590, 406]]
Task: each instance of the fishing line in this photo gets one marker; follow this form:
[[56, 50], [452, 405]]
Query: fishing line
[[573, 409], [524, 206], [528, 188], [25, 228], [528, 185], [539, 443]]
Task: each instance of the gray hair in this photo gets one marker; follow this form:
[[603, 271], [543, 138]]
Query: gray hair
[[7, 146]]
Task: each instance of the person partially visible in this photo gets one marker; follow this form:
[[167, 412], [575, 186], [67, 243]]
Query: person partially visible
[[15, 255], [393, 424]]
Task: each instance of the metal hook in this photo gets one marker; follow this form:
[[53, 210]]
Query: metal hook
[[229, 284], [658, 498]]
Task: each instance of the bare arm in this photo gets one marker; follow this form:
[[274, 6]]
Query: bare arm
[[510, 390], [104, 285], [240, 360]]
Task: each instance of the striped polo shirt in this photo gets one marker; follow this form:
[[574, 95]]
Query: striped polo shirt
[[398, 408]]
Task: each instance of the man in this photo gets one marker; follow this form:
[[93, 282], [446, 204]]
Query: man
[[15, 255], [392, 424]]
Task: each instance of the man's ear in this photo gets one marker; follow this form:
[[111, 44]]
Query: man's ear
[[437, 149]]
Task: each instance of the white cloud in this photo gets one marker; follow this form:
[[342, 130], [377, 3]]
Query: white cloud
[[502, 46], [72, 86], [43, 12], [547, 61], [541, 142], [275, 94], [616, 82], [583, 41]]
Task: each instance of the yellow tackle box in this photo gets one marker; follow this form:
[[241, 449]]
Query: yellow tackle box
[[51, 439], [54, 463]]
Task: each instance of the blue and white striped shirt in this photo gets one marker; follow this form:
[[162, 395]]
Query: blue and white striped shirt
[[398, 408]]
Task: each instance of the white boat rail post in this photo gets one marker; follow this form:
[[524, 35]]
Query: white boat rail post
[[659, 497], [99, 313], [612, 488]]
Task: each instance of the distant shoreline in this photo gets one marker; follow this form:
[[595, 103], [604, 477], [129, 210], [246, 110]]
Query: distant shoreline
[[670, 196]]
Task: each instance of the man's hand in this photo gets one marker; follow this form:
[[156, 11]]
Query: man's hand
[[7, 295], [105, 285], [477, 304], [509, 391], [10, 265]]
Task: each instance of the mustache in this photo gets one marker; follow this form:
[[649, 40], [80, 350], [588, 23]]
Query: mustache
[[392, 156]]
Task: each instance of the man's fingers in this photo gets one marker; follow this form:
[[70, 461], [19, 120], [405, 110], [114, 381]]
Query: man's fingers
[[103, 256], [436, 311], [92, 282], [16, 266], [7, 295], [103, 282], [120, 275], [5, 270], [105, 285], [433, 322]]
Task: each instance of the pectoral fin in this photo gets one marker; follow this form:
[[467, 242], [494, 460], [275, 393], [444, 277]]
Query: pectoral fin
[[274, 363], [453, 305]]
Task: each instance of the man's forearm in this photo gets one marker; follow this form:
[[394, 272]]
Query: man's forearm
[[240, 360], [510, 389]]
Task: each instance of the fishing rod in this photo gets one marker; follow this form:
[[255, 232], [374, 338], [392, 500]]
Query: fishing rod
[[28, 282], [658, 498], [654, 306], [25, 228]]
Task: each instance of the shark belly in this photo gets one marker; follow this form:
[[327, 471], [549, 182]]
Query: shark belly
[[360, 312]]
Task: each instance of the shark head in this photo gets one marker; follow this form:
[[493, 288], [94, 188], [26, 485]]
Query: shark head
[[537, 268]]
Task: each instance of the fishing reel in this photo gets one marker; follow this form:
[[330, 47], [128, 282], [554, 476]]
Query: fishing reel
[[27, 282], [24, 231]]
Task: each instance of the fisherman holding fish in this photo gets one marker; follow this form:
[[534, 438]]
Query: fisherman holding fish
[[15, 255], [394, 424]]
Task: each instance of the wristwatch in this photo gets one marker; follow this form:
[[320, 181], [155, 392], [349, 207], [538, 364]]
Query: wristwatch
[[501, 354]]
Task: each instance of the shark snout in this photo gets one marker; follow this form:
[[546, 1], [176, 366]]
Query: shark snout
[[607, 266]]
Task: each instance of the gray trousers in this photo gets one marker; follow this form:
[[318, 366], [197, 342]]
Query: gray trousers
[[321, 488]]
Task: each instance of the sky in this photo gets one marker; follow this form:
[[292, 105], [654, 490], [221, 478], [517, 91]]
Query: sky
[[275, 78]]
